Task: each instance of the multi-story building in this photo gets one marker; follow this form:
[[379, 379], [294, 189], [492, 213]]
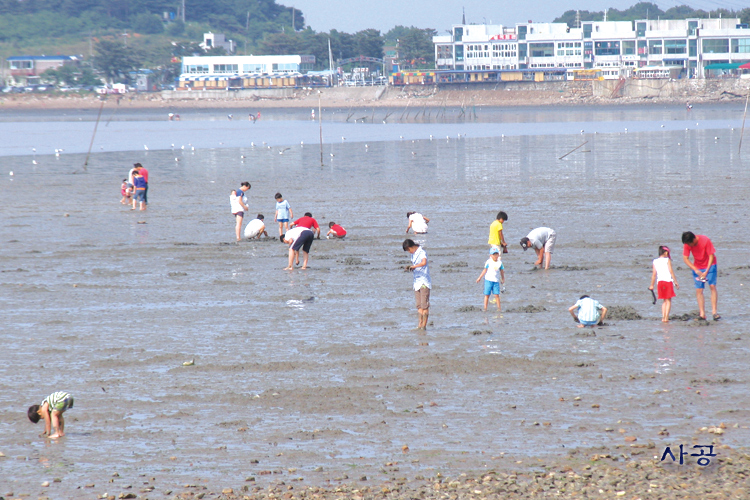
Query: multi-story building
[[226, 72], [616, 48], [26, 70]]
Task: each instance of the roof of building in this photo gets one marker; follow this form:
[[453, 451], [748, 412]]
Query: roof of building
[[42, 58]]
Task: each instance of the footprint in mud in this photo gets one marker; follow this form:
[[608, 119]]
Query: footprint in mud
[[465, 309]]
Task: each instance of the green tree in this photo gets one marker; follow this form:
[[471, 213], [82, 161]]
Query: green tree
[[415, 48], [368, 43], [147, 24], [570, 17], [115, 60]]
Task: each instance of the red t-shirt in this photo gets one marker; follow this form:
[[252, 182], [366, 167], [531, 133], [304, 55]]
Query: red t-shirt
[[144, 173], [701, 251], [307, 222], [340, 231]]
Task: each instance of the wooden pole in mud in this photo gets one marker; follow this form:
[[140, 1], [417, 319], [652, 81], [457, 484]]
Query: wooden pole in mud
[[93, 135], [575, 148], [320, 126], [742, 133]]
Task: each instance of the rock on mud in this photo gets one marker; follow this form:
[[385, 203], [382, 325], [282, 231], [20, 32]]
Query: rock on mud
[[623, 313]]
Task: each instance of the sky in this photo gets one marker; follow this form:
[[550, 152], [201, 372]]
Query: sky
[[355, 15]]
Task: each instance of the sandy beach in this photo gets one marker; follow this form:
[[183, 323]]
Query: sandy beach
[[416, 97]]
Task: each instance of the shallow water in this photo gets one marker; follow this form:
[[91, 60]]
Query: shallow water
[[321, 368]]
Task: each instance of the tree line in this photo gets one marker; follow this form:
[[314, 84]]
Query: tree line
[[649, 10]]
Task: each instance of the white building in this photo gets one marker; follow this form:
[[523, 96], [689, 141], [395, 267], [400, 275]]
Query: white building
[[213, 40], [616, 48], [243, 65]]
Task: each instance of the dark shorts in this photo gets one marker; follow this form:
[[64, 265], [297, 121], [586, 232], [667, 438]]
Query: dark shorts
[[239, 214], [304, 242], [282, 220]]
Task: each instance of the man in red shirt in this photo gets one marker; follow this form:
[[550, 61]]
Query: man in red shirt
[[144, 173], [704, 269], [308, 222]]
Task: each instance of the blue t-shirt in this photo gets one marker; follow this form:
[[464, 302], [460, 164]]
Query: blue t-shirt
[[283, 209], [139, 182]]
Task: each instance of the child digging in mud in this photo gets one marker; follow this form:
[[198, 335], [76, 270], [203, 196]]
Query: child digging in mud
[[492, 268], [51, 410], [665, 280]]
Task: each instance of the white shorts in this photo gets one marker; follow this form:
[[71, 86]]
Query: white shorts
[[549, 245]]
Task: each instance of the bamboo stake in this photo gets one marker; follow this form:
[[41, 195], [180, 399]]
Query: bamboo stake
[[743, 123], [574, 149], [91, 145]]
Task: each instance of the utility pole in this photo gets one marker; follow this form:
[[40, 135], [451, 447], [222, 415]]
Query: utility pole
[[183, 11]]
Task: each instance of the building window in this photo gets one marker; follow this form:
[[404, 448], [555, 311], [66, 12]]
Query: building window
[[225, 68], [642, 48], [716, 46], [459, 52], [740, 45], [628, 48], [655, 46], [21, 64], [675, 46], [607, 48], [542, 49], [196, 68], [445, 51]]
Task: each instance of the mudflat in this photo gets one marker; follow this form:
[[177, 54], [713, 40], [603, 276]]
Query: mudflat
[[314, 383]]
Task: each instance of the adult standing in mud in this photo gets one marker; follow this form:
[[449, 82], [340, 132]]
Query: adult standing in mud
[[542, 240], [298, 238], [422, 282], [238, 205], [704, 270], [142, 170]]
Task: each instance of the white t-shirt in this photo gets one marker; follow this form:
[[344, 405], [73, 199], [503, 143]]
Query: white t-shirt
[[234, 201], [662, 269], [539, 236], [493, 269], [294, 233], [418, 224], [254, 228]]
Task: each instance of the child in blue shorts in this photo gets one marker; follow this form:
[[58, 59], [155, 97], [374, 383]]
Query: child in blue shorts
[[494, 274], [283, 214]]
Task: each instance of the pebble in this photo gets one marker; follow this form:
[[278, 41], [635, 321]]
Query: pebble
[[45, 484]]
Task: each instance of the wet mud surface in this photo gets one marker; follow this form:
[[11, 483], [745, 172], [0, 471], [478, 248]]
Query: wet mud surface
[[318, 377]]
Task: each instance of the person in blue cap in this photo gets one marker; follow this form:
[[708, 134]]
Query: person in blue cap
[[493, 274]]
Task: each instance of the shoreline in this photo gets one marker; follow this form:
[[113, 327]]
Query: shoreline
[[573, 94], [626, 471]]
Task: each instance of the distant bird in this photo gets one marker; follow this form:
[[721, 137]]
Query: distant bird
[[145, 147], [302, 144], [281, 151], [626, 130], [173, 147], [193, 148], [502, 135], [679, 144], [662, 126], [34, 162], [716, 138], [11, 173], [183, 147], [252, 144], [430, 136], [581, 131], [413, 153], [57, 152], [696, 124], [176, 159], [33, 149], [343, 138], [401, 137], [332, 155], [367, 146], [229, 116], [412, 141], [264, 143], [242, 156]]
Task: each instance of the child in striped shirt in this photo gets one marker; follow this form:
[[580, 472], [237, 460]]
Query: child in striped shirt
[[51, 410], [588, 312]]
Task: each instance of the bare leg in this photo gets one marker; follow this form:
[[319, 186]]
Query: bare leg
[[281, 224], [296, 257], [665, 308], [701, 302], [304, 259], [56, 418], [714, 299], [486, 301], [239, 226], [497, 297], [547, 258], [289, 266]]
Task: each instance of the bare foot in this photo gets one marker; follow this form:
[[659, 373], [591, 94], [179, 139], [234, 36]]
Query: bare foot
[[579, 326], [288, 268], [303, 267], [54, 436]]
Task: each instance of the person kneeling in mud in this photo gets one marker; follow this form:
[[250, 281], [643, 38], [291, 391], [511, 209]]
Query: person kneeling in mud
[[588, 312]]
